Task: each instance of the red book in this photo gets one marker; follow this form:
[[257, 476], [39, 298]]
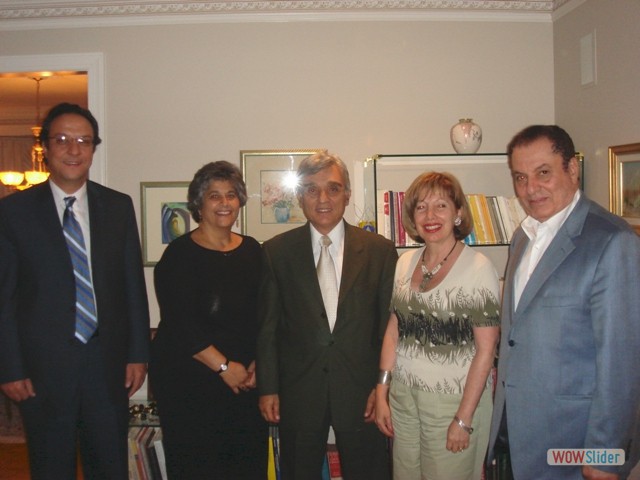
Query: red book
[[335, 472]]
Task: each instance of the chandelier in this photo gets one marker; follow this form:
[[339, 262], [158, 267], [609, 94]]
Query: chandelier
[[38, 172]]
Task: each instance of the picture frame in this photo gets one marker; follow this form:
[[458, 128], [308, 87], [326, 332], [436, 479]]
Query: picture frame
[[164, 217], [272, 206], [624, 186]]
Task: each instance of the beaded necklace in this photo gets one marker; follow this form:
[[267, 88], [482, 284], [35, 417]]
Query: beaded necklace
[[429, 274]]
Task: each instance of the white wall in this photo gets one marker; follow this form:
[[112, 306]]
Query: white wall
[[182, 95], [605, 114]]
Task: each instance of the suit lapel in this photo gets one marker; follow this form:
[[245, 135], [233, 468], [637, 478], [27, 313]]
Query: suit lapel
[[97, 220], [519, 245], [49, 218], [302, 250], [561, 246], [351, 261]]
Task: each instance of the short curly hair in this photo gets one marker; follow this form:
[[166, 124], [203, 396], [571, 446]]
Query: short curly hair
[[221, 171]]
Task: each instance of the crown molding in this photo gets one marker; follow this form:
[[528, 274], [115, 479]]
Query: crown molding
[[25, 14]]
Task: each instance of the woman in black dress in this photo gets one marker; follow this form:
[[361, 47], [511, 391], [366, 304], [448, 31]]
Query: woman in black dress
[[202, 368]]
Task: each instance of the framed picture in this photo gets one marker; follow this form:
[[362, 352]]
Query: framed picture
[[164, 217], [624, 176], [272, 206]]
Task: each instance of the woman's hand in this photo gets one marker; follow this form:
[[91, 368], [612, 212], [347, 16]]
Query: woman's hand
[[457, 438], [383, 412], [235, 376]]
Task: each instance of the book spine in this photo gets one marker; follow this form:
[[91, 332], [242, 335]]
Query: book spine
[[333, 459]]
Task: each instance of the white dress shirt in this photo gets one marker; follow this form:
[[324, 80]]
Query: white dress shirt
[[540, 234]]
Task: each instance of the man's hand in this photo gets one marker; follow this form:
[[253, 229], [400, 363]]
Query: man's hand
[[270, 408], [19, 390], [250, 381], [591, 473], [135, 374], [370, 409]]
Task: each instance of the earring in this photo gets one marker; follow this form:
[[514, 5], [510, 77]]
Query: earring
[[457, 221]]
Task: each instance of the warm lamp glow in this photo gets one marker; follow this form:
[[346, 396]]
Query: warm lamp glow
[[11, 179], [34, 177], [38, 173]]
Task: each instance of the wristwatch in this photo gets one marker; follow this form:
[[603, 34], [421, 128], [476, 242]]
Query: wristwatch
[[223, 367]]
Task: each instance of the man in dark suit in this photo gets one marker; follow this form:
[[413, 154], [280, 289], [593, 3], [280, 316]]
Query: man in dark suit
[[72, 381], [317, 361], [568, 373]]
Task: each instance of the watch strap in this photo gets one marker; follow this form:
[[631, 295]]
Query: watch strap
[[223, 367]]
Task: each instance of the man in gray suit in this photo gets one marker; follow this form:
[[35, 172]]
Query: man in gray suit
[[568, 373], [74, 322], [317, 361]]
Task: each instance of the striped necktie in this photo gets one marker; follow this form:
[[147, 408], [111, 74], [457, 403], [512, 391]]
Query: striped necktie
[[328, 282], [86, 317]]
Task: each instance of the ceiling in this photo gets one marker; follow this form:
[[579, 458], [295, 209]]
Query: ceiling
[[24, 10]]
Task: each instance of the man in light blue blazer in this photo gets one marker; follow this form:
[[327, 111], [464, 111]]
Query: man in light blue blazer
[[568, 373]]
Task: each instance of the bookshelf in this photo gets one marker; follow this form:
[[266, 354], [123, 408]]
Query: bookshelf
[[486, 174], [146, 453]]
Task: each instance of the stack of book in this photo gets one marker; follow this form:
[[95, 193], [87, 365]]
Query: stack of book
[[146, 454], [389, 218], [331, 469], [495, 218]]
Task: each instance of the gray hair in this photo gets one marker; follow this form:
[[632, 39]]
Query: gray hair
[[319, 161]]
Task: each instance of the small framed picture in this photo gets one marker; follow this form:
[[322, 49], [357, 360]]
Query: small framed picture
[[624, 177], [164, 217], [272, 206]]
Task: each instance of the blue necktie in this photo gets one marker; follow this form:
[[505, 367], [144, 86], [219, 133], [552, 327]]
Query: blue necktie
[[86, 317]]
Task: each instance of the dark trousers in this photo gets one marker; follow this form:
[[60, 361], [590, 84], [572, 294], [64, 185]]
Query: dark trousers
[[501, 468], [363, 453], [88, 420]]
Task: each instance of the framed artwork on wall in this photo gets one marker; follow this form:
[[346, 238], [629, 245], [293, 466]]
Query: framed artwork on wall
[[624, 182], [164, 217], [272, 206]]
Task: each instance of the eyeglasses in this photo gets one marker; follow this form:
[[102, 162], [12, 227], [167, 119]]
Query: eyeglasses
[[314, 191], [63, 140]]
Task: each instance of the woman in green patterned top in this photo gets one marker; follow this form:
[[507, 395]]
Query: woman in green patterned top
[[440, 342]]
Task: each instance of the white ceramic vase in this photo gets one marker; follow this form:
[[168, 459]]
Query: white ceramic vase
[[466, 136]]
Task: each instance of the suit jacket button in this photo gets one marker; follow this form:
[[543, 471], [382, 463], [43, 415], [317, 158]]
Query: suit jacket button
[[512, 343]]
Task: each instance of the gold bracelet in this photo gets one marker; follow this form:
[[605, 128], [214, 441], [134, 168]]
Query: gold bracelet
[[462, 425], [384, 378]]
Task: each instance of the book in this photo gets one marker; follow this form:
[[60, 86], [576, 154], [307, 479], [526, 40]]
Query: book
[[159, 449], [496, 219], [384, 227], [333, 460], [400, 238], [154, 465], [478, 227], [134, 473], [486, 219], [143, 457]]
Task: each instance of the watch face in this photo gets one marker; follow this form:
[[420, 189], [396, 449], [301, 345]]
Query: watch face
[[223, 367]]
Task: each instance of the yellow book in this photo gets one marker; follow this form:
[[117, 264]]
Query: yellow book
[[489, 227], [478, 227]]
